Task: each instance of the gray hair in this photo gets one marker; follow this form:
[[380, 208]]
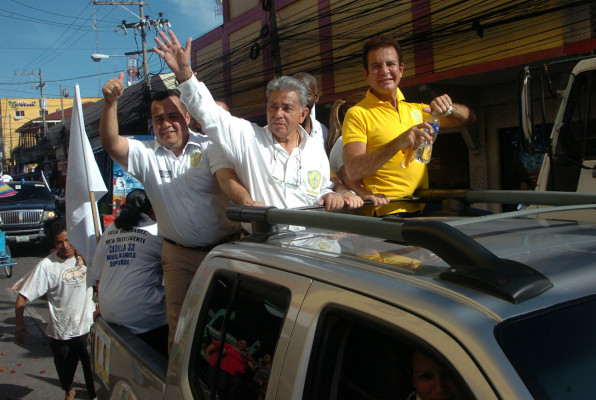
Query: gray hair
[[305, 76], [289, 84]]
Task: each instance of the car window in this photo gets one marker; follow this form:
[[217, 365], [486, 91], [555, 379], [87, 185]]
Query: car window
[[358, 357], [550, 349], [237, 336], [28, 193]]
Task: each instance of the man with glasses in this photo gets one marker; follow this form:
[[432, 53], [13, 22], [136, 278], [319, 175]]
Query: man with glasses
[[176, 170], [280, 164]]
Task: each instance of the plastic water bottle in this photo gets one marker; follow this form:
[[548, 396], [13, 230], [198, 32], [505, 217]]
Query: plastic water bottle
[[425, 150]]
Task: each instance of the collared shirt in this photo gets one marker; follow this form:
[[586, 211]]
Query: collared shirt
[[318, 130], [188, 203], [375, 123], [268, 172]]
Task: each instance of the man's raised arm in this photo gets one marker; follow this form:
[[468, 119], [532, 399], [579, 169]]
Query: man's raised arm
[[111, 141], [177, 57]]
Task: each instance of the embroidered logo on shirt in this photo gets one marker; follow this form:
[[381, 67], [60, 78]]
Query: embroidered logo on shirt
[[165, 174], [416, 116], [314, 179], [74, 276], [195, 158], [323, 245]]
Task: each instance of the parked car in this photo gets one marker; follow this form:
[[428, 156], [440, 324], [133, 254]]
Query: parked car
[[503, 304], [25, 216]]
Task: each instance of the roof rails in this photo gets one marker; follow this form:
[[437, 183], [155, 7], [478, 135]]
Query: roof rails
[[551, 198], [471, 264]]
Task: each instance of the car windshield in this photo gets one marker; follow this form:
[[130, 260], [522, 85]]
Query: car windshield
[[554, 350], [36, 192]]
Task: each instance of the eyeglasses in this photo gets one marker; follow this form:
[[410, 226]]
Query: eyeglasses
[[276, 181], [285, 183]]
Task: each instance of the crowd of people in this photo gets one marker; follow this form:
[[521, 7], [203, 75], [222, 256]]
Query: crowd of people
[[203, 158]]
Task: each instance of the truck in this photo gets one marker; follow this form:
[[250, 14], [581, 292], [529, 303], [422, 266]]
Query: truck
[[569, 162], [25, 216], [504, 304]]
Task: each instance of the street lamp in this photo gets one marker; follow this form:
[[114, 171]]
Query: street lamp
[[98, 57], [132, 69]]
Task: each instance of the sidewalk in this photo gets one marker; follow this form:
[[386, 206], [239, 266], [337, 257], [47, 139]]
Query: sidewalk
[[27, 371]]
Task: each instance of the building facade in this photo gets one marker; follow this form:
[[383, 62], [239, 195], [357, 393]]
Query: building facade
[[472, 50], [18, 112]]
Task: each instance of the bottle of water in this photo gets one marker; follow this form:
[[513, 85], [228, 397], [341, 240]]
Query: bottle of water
[[425, 150]]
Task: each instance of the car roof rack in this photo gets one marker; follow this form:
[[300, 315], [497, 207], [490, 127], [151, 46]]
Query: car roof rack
[[471, 264], [550, 198]]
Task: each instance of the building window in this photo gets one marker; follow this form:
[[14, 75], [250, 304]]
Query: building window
[[44, 111], [19, 114]]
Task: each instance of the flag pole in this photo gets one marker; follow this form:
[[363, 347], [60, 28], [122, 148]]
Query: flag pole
[[91, 193], [95, 217], [83, 175]]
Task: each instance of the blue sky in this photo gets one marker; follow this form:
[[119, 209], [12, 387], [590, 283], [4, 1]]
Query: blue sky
[[58, 36]]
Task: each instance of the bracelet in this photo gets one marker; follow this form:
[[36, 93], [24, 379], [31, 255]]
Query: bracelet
[[346, 191], [448, 112]]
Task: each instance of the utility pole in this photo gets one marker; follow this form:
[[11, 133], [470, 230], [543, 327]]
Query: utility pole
[[62, 104], [275, 52], [42, 101], [4, 116], [141, 26]]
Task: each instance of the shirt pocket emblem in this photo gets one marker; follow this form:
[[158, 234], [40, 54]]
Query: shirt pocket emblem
[[195, 158], [416, 116], [314, 179]]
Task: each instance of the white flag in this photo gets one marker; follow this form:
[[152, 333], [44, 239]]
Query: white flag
[[44, 180], [83, 183]]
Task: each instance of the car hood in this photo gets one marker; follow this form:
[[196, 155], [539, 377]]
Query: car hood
[[26, 205]]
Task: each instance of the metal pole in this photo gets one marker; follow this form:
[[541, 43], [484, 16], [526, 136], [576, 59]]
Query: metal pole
[[61, 105], [143, 36], [275, 51], [42, 105]]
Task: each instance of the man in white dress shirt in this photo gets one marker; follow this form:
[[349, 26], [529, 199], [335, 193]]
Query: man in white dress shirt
[[280, 164], [177, 172]]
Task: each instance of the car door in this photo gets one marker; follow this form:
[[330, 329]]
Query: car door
[[347, 345], [235, 301]]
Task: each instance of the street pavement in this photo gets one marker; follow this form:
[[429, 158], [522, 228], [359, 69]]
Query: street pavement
[[27, 371]]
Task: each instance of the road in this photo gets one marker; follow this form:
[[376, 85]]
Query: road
[[27, 371]]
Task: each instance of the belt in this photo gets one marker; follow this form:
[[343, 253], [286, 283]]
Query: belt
[[230, 238]]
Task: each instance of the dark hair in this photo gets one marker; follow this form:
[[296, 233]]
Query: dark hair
[[376, 42], [305, 76], [55, 229], [164, 94], [130, 212]]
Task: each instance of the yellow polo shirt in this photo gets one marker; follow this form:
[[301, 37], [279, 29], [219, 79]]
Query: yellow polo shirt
[[376, 123]]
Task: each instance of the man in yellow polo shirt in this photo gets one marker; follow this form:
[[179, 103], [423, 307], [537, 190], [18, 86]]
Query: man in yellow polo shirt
[[378, 130]]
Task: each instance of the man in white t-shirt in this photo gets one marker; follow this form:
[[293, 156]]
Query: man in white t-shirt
[[279, 165], [177, 172], [62, 276]]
